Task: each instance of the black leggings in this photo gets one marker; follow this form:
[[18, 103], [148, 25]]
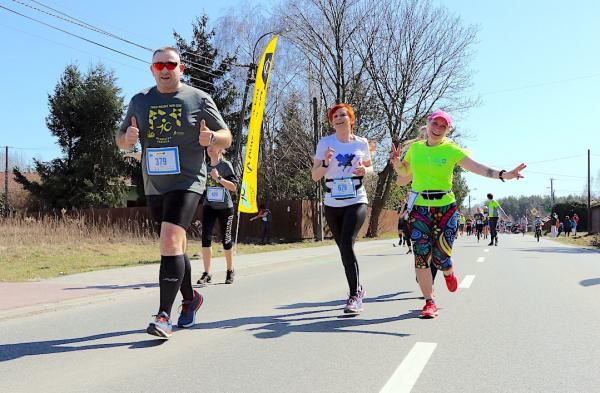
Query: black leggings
[[345, 222], [479, 228], [209, 216], [493, 228]]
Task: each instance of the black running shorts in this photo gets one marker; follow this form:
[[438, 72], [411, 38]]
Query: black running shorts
[[176, 207]]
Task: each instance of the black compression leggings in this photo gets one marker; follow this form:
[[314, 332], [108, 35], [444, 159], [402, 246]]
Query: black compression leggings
[[225, 217], [345, 222]]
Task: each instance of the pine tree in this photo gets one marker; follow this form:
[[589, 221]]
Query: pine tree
[[85, 111], [204, 71]]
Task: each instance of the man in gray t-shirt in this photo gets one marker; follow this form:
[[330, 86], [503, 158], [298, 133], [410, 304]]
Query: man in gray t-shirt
[[174, 123]]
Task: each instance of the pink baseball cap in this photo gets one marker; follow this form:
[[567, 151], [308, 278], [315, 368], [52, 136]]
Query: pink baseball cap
[[443, 115]]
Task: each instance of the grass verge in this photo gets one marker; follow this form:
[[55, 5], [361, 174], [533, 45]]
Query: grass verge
[[35, 260], [582, 239]]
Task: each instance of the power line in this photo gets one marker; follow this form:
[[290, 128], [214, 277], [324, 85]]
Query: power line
[[72, 47], [213, 59], [79, 22], [206, 71], [93, 28], [70, 19], [579, 191], [88, 26], [557, 159], [85, 25], [72, 34], [541, 84], [33, 148], [93, 42], [548, 160], [554, 174]]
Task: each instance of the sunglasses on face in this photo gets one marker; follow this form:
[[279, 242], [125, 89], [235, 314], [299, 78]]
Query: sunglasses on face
[[159, 65]]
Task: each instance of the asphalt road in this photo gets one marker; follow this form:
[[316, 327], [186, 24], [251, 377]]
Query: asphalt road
[[526, 319]]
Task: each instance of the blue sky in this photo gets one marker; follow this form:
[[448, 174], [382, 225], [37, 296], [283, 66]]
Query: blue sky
[[535, 69]]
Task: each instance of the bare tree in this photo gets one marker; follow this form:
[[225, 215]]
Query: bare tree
[[417, 57], [324, 32], [246, 33], [322, 29], [394, 61]]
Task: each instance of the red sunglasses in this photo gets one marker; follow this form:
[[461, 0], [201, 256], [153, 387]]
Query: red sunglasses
[[159, 66]]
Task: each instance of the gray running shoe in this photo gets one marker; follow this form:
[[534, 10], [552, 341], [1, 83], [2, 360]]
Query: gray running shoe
[[230, 276], [161, 326]]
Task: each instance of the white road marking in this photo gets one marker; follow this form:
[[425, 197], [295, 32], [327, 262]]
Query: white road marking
[[480, 259], [408, 372], [486, 250], [467, 281]]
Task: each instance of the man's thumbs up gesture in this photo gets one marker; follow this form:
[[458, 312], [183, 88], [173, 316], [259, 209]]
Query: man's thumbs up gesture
[[133, 133], [207, 137]]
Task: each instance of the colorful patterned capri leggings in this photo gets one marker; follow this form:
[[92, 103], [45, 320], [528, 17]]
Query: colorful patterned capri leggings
[[432, 230]]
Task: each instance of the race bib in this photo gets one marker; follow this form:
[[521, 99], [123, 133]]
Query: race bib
[[215, 194], [479, 222], [343, 188], [162, 161]]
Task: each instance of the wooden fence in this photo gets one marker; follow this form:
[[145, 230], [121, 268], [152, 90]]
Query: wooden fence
[[293, 220]]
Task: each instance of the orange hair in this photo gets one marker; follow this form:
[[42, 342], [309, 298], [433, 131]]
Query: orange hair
[[348, 107]]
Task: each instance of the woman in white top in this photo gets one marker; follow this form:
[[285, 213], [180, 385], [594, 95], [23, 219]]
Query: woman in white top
[[343, 159]]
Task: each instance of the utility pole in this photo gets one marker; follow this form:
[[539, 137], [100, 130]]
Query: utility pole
[[589, 204], [237, 159], [6, 179], [470, 199], [317, 136], [469, 204], [552, 191]]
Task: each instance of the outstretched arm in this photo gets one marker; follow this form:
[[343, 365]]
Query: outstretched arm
[[480, 169]]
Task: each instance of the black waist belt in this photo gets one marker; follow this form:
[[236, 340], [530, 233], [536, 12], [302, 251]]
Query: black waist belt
[[433, 194], [356, 186]]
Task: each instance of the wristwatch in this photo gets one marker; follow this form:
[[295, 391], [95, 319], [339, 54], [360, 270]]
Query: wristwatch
[[324, 166], [219, 178], [213, 139]]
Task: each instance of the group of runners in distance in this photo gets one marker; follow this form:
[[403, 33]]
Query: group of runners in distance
[[178, 125]]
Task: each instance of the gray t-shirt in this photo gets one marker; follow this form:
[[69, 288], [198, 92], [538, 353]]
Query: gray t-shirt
[[215, 190], [172, 121]]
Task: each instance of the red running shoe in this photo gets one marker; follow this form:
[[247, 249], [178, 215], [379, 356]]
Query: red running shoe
[[451, 282], [430, 310]]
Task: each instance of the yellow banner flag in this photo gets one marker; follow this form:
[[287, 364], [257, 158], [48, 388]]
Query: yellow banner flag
[[249, 187]]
